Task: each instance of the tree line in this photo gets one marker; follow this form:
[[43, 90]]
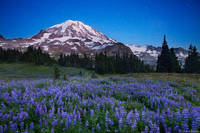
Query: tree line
[[101, 63], [168, 61], [31, 55], [120, 64]]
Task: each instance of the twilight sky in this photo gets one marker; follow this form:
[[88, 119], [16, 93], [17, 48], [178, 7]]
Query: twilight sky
[[129, 21]]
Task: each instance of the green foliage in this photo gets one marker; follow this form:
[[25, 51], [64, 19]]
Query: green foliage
[[174, 66], [167, 60], [119, 64], [74, 60], [164, 62], [32, 55], [192, 62], [93, 76]]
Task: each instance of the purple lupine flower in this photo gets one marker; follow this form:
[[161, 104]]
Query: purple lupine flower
[[52, 111], [158, 129], [153, 127], [22, 125], [52, 130], [107, 116], [178, 115], [84, 112], [120, 123], [98, 106], [133, 127], [54, 122], [66, 124], [58, 111], [86, 123], [146, 129], [143, 115], [194, 125], [61, 122], [169, 130], [185, 126], [137, 115], [1, 129], [176, 128], [22, 115], [98, 127], [91, 112], [26, 130], [117, 114], [45, 123], [128, 117], [110, 122], [93, 130], [45, 108], [198, 121], [185, 114], [74, 121], [5, 128], [40, 122], [14, 118], [3, 106], [78, 116], [31, 126], [122, 113], [38, 109], [13, 126]]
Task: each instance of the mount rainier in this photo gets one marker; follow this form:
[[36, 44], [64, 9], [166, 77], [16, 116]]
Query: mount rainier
[[75, 36]]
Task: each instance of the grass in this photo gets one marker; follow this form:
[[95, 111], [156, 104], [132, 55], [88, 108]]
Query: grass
[[24, 70], [177, 77]]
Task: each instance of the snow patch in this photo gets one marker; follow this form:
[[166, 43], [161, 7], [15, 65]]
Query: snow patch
[[101, 46], [135, 48], [46, 48], [74, 48], [42, 39]]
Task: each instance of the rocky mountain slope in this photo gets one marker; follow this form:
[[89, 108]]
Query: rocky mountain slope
[[67, 37]]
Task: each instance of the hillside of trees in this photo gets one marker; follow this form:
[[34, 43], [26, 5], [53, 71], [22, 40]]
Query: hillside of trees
[[167, 61], [101, 63], [31, 55]]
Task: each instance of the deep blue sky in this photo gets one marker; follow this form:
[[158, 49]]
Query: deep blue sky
[[128, 21]]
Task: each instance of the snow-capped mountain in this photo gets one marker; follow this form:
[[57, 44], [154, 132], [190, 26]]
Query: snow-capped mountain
[[75, 36], [65, 38], [149, 54]]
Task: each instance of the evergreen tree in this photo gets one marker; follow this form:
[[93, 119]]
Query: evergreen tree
[[192, 61], [62, 60], [175, 66], [164, 59]]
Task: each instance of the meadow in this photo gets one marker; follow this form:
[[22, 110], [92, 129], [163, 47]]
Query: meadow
[[31, 101]]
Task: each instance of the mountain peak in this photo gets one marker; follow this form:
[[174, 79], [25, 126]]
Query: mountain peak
[[78, 29], [67, 23], [67, 37]]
